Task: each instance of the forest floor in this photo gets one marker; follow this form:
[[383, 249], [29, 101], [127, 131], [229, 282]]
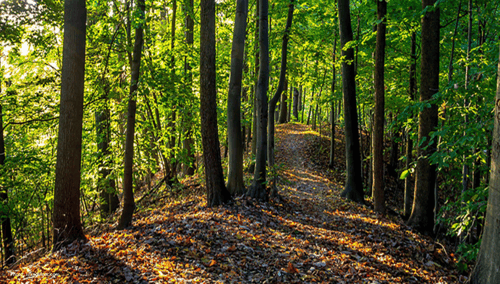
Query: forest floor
[[313, 236]]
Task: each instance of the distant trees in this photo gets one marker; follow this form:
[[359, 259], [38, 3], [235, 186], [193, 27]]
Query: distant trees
[[67, 225]]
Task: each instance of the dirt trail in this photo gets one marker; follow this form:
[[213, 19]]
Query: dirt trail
[[303, 182]]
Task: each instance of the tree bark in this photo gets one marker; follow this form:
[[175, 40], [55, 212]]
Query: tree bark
[[296, 101], [488, 260], [283, 104], [332, 112], [216, 190], [106, 183], [235, 183], [422, 215], [128, 191], [258, 188], [409, 186], [378, 128], [67, 225], [354, 184], [173, 160], [279, 91], [188, 143]]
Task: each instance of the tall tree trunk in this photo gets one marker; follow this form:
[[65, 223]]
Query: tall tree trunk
[[7, 240], [290, 103], [409, 186], [172, 174], [235, 183], [488, 260], [279, 91], [378, 128], [422, 215], [188, 143], [216, 190], [106, 183], [296, 101], [258, 188], [465, 167], [354, 184], [302, 104], [255, 121], [128, 191], [332, 113], [67, 225]]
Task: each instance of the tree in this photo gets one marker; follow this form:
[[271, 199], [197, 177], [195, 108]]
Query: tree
[[332, 113], [235, 183], [258, 188], [378, 128], [279, 91], [422, 215], [354, 184], [408, 195], [188, 143], [217, 192], [109, 198], [135, 68], [488, 261], [283, 105], [67, 225]]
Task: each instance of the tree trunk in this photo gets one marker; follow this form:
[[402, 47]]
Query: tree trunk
[[283, 104], [106, 183], [258, 188], [302, 104], [296, 101], [488, 260], [128, 191], [235, 183], [279, 91], [409, 186], [67, 225], [422, 215], [216, 190], [465, 167], [172, 173], [254, 111], [290, 103], [188, 143], [332, 113], [378, 128], [354, 184]]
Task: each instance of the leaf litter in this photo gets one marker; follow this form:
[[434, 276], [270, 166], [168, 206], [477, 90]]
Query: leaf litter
[[313, 236]]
